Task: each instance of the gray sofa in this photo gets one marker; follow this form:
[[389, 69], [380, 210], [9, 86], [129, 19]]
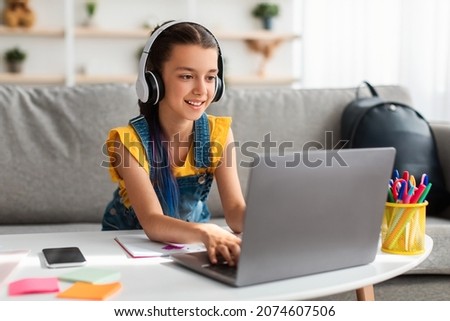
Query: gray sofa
[[54, 173]]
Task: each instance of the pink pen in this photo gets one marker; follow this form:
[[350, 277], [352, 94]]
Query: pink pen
[[407, 198], [417, 194]]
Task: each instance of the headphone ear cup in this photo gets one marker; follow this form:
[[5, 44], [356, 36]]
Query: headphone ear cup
[[155, 87], [219, 89]]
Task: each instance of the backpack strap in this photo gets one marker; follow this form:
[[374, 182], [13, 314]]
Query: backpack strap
[[372, 90]]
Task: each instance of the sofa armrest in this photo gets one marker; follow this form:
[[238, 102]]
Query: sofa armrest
[[442, 134]]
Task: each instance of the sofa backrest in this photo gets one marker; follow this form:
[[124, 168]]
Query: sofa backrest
[[51, 140], [293, 119]]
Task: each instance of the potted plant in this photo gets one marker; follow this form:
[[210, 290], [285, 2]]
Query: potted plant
[[14, 58], [266, 11], [91, 8]]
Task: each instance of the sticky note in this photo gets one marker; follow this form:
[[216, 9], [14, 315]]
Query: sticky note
[[33, 285], [91, 275], [89, 291]]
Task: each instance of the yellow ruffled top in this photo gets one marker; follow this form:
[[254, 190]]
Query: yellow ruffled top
[[218, 127]]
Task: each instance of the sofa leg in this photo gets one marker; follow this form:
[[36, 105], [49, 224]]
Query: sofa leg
[[365, 294]]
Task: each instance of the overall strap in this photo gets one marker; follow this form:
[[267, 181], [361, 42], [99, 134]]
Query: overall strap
[[202, 142], [140, 125]]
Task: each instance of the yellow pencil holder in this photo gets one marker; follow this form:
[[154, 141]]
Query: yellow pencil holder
[[403, 228]]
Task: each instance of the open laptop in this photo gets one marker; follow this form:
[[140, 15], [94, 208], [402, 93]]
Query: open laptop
[[307, 212]]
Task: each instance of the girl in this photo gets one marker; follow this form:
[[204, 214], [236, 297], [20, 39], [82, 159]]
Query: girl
[[165, 160]]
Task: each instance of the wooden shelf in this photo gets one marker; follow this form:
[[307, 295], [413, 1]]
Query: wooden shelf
[[262, 42], [30, 79], [93, 32], [31, 32]]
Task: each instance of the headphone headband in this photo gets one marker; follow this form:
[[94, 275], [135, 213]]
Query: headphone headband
[[142, 84]]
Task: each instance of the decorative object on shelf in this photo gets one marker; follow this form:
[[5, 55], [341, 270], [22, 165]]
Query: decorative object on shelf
[[91, 9], [14, 59], [17, 13], [267, 49], [266, 11]]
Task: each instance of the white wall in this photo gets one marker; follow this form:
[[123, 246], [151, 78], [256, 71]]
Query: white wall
[[116, 56]]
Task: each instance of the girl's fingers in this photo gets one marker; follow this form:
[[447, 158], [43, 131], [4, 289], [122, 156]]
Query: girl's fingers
[[212, 254], [225, 252]]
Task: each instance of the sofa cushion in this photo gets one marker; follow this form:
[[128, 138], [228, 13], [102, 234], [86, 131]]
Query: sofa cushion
[[51, 151]]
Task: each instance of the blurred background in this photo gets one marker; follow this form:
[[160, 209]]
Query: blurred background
[[307, 44]]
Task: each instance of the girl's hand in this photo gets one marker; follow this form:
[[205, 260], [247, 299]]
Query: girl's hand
[[220, 243]]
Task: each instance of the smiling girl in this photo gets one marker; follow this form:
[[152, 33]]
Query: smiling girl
[[165, 160]]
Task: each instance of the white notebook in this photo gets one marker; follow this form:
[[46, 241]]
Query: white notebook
[[9, 259], [139, 246]]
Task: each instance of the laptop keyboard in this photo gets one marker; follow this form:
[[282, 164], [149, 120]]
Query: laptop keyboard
[[222, 268]]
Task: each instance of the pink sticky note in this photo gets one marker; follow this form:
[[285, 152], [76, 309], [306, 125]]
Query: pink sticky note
[[33, 285]]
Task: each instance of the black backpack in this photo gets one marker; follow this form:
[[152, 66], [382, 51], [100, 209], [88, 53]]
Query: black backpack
[[373, 122]]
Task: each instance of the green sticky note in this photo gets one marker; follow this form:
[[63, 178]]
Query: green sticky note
[[91, 275]]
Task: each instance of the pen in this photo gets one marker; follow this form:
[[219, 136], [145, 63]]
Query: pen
[[408, 196], [412, 180], [401, 192], [398, 188], [425, 193], [395, 174], [405, 175], [390, 196], [417, 194], [424, 179]]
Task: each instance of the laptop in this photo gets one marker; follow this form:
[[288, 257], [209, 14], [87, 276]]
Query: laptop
[[307, 212]]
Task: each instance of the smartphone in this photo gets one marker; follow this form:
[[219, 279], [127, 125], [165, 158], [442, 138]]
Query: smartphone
[[63, 257]]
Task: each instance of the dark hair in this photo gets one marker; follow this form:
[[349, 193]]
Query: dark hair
[[164, 182]]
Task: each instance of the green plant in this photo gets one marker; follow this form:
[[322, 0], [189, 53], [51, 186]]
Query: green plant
[[15, 55], [265, 10], [90, 8]]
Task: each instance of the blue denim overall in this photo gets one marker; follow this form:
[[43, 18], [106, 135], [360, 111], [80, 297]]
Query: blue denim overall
[[193, 190]]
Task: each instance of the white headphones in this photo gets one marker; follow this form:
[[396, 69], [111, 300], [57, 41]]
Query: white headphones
[[149, 85]]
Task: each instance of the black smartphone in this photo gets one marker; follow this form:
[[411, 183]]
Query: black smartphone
[[63, 257]]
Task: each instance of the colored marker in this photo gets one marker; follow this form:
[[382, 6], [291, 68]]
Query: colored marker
[[424, 179], [425, 193], [417, 194], [401, 192], [408, 196], [390, 196], [405, 175], [395, 174]]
